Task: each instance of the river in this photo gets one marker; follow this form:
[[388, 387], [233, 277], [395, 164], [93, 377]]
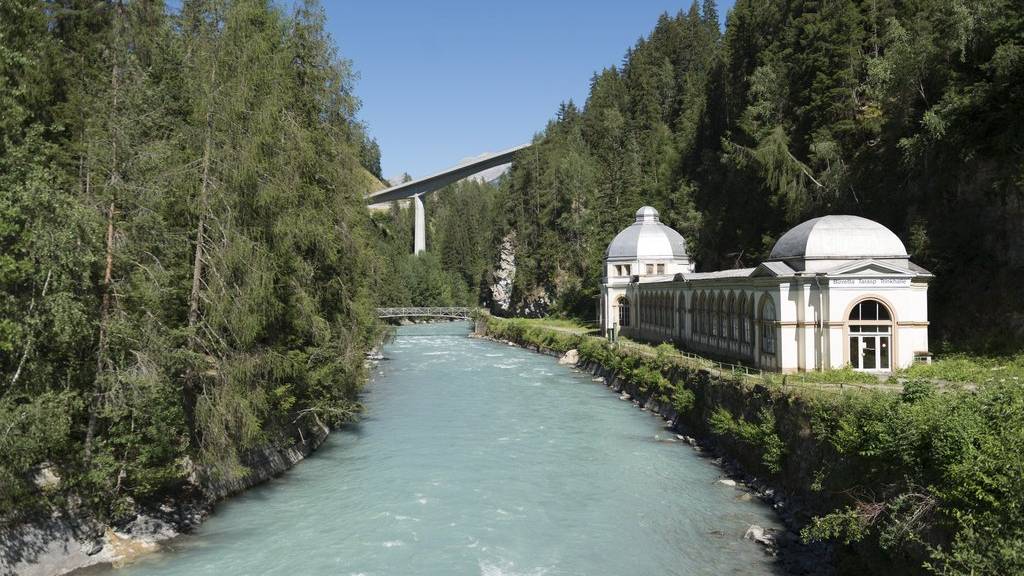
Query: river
[[478, 458]]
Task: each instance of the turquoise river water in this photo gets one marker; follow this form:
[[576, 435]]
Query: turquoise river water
[[479, 458]]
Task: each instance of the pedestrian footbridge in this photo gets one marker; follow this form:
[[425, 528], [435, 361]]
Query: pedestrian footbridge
[[426, 312]]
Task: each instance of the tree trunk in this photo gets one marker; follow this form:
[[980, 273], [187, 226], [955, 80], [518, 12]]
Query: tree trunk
[[115, 180], [101, 353], [189, 385]]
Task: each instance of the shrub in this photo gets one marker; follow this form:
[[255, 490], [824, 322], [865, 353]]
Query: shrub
[[683, 400], [760, 435], [937, 463]]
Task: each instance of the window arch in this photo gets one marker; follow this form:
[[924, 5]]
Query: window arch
[[658, 309], [681, 313], [741, 318], [695, 314], [720, 316], [623, 311], [709, 313], [666, 310], [750, 323], [870, 336], [698, 311], [768, 317], [733, 328]]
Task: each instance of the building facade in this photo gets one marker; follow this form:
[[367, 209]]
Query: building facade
[[836, 291]]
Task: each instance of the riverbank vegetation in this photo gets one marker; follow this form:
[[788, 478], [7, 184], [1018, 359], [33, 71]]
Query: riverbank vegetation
[[924, 477], [186, 260]]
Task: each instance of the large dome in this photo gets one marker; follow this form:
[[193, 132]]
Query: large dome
[[647, 238], [839, 238]]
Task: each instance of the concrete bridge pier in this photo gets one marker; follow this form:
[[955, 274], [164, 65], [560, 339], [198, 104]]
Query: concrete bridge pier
[[420, 230]]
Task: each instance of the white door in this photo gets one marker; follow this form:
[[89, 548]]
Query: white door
[[869, 347]]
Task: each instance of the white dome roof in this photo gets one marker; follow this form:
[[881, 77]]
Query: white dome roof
[[647, 238], [839, 238]]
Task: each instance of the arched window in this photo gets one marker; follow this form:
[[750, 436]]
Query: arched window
[[666, 310], [709, 302], [713, 313], [695, 314], [662, 309], [750, 323], [768, 328], [657, 309], [623, 312], [870, 336], [741, 318], [681, 311], [721, 319], [698, 313], [733, 331]]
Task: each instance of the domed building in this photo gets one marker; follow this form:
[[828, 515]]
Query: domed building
[[836, 291]]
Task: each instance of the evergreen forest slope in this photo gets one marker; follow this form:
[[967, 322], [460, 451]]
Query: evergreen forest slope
[[185, 262]]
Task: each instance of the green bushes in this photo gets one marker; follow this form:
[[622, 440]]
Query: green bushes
[[928, 463], [522, 332], [761, 435], [969, 368]]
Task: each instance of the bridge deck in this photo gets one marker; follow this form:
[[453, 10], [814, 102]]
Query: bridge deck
[[426, 311], [443, 178]]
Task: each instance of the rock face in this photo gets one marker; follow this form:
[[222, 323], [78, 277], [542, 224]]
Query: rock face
[[534, 304], [504, 276]]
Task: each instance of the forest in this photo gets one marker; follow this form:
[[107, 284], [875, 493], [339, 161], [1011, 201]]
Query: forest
[[186, 257], [908, 113]]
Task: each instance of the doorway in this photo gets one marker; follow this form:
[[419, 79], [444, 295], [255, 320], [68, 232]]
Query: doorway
[[870, 337]]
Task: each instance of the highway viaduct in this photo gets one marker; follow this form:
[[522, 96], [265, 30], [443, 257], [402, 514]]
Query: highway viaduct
[[417, 188]]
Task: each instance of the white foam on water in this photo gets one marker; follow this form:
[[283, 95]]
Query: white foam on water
[[393, 543], [508, 569]]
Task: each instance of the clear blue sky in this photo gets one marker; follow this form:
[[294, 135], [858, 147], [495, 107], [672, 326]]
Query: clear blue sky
[[445, 80]]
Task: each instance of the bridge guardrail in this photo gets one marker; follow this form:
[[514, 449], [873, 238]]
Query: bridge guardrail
[[426, 311]]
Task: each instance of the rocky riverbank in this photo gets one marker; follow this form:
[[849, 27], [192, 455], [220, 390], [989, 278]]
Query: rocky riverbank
[[70, 539]]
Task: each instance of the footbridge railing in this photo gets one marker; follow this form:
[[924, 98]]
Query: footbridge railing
[[426, 311]]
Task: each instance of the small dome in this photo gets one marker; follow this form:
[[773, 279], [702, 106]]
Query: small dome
[[647, 213], [839, 238], [647, 238]]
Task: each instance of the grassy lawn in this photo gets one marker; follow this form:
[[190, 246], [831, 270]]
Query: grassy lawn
[[563, 325], [967, 368]]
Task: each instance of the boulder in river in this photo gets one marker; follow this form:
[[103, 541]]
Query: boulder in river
[[760, 535], [571, 357]]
